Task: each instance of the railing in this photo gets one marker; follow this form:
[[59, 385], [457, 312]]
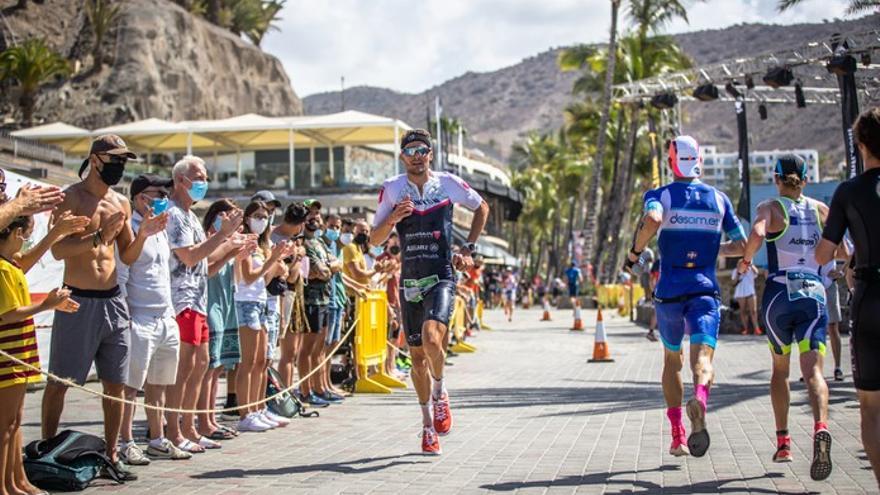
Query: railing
[[27, 148]]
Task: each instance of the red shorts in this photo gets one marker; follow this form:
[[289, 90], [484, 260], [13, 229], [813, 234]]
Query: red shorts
[[193, 327]]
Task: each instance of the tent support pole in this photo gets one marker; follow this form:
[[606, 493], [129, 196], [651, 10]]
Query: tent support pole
[[396, 152], [291, 163], [238, 166]]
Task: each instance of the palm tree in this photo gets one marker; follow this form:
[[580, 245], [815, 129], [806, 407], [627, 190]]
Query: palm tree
[[102, 15], [29, 66], [855, 6]]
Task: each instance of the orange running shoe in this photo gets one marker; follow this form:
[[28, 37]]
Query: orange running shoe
[[783, 449], [442, 415], [679, 442], [430, 441], [758, 331]]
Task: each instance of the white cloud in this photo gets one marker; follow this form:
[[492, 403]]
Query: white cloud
[[411, 46]]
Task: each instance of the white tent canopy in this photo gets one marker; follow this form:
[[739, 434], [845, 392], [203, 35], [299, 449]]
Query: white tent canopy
[[244, 132], [248, 130]]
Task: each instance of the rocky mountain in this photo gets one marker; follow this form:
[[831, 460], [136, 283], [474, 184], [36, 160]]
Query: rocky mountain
[[500, 107], [162, 62]]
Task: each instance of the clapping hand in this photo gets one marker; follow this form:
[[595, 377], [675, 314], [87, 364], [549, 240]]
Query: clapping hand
[[34, 199], [230, 222], [67, 223], [153, 224], [59, 299], [112, 227]]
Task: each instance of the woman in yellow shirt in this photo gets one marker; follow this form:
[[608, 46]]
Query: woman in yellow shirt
[[18, 338]]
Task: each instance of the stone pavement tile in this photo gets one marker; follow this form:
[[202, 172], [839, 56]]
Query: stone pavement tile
[[532, 416]]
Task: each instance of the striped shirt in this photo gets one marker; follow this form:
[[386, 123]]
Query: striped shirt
[[18, 339]]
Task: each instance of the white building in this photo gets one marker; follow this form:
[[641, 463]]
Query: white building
[[719, 168]]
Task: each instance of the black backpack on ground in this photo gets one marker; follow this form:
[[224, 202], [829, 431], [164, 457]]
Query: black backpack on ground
[[286, 404], [69, 461]]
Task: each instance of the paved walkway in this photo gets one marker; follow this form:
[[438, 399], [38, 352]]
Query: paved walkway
[[530, 416]]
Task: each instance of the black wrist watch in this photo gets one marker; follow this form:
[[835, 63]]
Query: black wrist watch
[[471, 247], [633, 251]]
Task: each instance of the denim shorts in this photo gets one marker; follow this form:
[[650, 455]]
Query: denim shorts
[[334, 324], [252, 314]]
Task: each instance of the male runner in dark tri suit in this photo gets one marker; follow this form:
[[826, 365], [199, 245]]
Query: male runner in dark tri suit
[[419, 205], [854, 208]]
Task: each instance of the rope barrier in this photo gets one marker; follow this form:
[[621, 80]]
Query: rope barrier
[[69, 383]]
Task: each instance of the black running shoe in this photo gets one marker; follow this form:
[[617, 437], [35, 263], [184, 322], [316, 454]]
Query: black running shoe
[[698, 440], [821, 466]]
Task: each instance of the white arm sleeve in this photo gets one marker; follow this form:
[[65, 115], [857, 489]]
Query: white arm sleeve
[[460, 192]]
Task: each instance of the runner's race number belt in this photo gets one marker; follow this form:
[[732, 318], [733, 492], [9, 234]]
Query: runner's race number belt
[[685, 297], [414, 289]]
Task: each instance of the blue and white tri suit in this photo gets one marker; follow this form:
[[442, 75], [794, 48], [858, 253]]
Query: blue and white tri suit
[[695, 215]]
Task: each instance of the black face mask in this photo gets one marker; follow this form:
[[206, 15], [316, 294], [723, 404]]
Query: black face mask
[[111, 174], [360, 238], [395, 250]]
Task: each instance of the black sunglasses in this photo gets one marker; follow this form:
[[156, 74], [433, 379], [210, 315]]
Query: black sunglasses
[[159, 194], [114, 160], [2, 187], [418, 150]]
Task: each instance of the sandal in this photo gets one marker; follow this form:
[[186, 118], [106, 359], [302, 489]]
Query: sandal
[[209, 444], [232, 431], [188, 445], [221, 434]]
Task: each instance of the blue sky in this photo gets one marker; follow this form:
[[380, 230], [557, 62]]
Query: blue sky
[[412, 45]]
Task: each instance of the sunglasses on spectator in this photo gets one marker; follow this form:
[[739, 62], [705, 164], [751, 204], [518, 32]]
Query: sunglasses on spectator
[[114, 160], [418, 150], [2, 187], [156, 194]]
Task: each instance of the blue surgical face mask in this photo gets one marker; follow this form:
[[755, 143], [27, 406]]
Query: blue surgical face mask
[[198, 189], [218, 222], [377, 251], [319, 233], [159, 205], [332, 235], [346, 238]]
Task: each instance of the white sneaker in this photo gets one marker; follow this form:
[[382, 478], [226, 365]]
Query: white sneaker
[[262, 416], [252, 423], [281, 420]]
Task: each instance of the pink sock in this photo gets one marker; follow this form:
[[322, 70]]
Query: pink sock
[[819, 426], [674, 415], [701, 393]]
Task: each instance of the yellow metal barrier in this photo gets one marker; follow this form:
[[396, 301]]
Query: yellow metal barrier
[[480, 308], [458, 324], [371, 346], [618, 296]]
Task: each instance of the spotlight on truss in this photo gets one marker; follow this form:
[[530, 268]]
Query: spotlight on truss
[[730, 88], [762, 111], [799, 95], [841, 65], [706, 92], [750, 83], [866, 59], [664, 101], [778, 77]]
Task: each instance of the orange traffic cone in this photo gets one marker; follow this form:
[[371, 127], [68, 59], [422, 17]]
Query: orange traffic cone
[[578, 322], [601, 352], [546, 316]]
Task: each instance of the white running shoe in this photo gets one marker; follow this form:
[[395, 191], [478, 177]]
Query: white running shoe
[[251, 422], [281, 420], [261, 416]]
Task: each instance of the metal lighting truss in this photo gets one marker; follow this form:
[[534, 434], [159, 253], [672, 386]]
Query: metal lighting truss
[[807, 62]]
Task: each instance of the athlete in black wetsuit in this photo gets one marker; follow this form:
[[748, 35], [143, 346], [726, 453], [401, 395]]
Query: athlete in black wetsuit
[[419, 205], [855, 208]]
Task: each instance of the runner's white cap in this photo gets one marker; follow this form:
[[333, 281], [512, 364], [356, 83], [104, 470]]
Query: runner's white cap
[[685, 157]]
